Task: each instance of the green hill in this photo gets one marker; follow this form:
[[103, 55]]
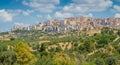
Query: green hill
[[73, 48]]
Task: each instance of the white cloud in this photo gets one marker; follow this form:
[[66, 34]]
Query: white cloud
[[21, 12], [27, 12], [21, 24], [116, 8], [42, 5], [117, 15], [63, 15], [5, 16], [88, 5], [89, 15], [49, 17]]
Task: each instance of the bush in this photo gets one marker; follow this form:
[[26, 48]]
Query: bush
[[111, 61], [58, 49], [99, 62], [118, 50]]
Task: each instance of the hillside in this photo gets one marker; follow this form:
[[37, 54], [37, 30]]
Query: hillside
[[94, 47]]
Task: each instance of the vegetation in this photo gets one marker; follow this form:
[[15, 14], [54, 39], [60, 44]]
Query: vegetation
[[24, 56], [74, 48]]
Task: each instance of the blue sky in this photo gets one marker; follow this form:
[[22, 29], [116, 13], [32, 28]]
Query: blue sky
[[30, 12]]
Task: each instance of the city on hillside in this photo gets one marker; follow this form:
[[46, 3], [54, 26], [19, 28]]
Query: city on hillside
[[59, 32], [72, 23]]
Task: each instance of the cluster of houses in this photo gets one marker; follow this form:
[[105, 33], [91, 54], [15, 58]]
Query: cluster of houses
[[73, 23]]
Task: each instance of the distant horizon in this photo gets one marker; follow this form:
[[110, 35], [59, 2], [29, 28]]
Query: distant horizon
[[31, 12]]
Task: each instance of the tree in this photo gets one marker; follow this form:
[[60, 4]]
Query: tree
[[111, 61], [42, 48], [104, 39], [24, 54], [88, 46], [118, 50], [99, 61], [7, 56], [43, 60], [62, 59], [88, 63], [12, 39], [58, 49], [36, 47], [106, 30], [118, 32]]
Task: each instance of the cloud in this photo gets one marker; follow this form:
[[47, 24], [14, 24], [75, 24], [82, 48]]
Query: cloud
[[21, 24], [89, 15], [49, 17], [5, 16], [42, 5], [116, 8], [63, 15], [88, 6], [21, 12], [117, 15], [27, 12]]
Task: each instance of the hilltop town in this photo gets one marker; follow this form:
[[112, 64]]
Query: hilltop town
[[59, 32], [73, 48], [73, 41], [73, 23]]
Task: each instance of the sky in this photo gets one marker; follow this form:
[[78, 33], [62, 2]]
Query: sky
[[31, 12]]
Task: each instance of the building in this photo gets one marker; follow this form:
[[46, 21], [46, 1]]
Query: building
[[73, 23]]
